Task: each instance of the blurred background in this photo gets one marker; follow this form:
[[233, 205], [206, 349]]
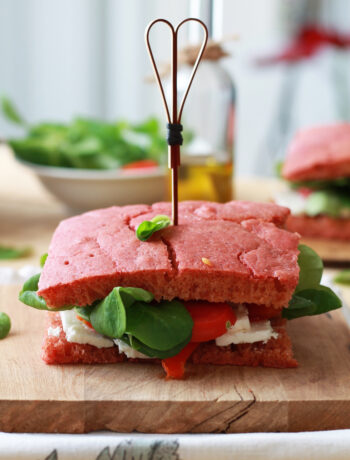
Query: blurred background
[[60, 59], [82, 124]]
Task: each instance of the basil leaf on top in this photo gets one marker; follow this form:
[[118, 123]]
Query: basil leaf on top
[[162, 326], [311, 302], [109, 316], [30, 297], [311, 268], [14, 253], [151, 352], [146, 229]]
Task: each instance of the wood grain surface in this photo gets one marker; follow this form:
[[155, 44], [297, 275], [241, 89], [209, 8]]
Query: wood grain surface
[[330, 251], [35, 397]]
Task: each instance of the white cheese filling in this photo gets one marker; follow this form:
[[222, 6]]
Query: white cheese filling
[[128, 351], [243, 331], [76, 331], [293, 200], [54, 331], [296, 202]]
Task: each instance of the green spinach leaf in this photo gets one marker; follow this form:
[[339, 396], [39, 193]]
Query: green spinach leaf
[[109, 316], [311, 302], [10, 111], [146, 228], [311, 268], [162, 326], [151, 352], [29, 296], [341, 183], [326, 202], [310, 298], [343, 277], [279, 168], [43, 259], [85, 312], [14, 253], [5, 325], [87, 143]]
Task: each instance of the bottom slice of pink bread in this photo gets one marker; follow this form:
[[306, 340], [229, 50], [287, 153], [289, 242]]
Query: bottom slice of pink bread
[[319, 227], [274, 353]]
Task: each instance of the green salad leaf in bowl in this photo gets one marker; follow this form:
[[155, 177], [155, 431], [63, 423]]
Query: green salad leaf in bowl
[[88, 144]]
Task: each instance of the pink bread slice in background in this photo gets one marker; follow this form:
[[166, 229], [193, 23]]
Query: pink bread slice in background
[[321, 152], [320, 227], [251, 261], [275, 353]]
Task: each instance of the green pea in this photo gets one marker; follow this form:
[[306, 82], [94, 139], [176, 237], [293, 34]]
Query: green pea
[[5, 325]]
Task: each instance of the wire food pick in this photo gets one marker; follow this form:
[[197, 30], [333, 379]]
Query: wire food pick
[[174, 126]]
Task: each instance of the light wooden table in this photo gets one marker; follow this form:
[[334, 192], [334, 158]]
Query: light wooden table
[[28, 214]]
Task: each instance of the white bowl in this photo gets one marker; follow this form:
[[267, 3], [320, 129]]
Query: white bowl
[[86, 189]]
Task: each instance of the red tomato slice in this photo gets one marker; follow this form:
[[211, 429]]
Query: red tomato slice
[[305, 191], [88, 324], [210, 319], [141, 164], [261, 313], [175, 366]]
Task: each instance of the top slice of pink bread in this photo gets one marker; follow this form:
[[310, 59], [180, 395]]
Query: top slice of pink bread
[[251, 259], [321, 152]]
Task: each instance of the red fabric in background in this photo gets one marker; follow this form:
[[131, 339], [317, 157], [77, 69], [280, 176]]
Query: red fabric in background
[[309, 40]]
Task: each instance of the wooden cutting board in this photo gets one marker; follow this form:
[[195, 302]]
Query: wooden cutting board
[[35, 397], [330, 251]]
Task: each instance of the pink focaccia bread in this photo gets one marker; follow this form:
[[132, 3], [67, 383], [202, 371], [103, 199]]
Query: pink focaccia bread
[[250, 258], [321, 152], [320, 227], [277, 352]]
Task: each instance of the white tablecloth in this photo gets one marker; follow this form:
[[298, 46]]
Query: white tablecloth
[[331, 445], [325, 445]]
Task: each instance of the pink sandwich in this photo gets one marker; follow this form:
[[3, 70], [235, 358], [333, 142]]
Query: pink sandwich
[[216, 289], [317, 167]]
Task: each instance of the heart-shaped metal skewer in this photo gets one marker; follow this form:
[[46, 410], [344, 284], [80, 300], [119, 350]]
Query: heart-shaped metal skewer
[[174, 122]]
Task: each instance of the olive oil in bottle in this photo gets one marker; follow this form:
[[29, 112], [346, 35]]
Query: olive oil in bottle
[[206, 180], [206, 163]]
